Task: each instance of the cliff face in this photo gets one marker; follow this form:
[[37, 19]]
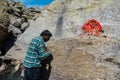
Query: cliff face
[[81, 58], [14, 20], [85, 59], [64, 18]]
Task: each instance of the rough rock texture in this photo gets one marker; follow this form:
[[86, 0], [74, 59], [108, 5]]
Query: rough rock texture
[[64, 18], [16, 14], [14, 20], [83, 58], [95, 58]]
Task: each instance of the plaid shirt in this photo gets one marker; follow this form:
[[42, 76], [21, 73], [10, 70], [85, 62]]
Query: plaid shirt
[[35, 53]]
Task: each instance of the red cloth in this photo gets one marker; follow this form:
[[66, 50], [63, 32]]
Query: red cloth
[[92, 26]]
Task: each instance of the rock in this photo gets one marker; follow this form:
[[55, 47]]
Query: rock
[[19, 10], [15, 29], [4, 20], [19, 4], [45, 8], [10, 10], [35, 9], [20, 20], [16, 9], [26, 12], [3, 67], [3, 7], [57, 20], [24, 19], [16, 22], [24, 26], [81, 58], [16, 69]]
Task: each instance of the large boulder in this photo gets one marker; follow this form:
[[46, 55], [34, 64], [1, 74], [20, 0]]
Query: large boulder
[[84, 58], [80, 58], [65, 18]]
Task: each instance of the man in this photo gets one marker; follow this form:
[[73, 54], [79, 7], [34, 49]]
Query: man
[[35, 54]]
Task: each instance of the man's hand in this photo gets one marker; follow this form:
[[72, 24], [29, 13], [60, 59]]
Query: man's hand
[[46, 49]]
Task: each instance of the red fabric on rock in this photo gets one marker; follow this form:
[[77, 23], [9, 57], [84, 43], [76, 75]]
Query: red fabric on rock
[[92, 26]]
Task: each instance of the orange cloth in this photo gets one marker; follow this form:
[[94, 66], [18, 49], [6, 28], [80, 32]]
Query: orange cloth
[[92, 27]]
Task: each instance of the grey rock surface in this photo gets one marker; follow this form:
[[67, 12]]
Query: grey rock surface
[[65, 18], [81, 58]]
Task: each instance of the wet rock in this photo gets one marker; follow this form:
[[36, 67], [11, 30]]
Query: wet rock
[[10, 2], [31, 14], [68, 23], [3, 34]]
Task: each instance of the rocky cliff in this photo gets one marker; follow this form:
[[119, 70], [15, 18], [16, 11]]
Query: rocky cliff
[[14, 20], [64, 18], [77, 58], [85, 59]]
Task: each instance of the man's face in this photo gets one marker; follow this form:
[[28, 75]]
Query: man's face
[[46, 38]]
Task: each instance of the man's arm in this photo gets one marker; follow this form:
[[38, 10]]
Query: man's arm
[[42, 53]]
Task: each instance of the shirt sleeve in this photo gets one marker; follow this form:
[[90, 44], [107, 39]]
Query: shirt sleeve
[[42, 54]]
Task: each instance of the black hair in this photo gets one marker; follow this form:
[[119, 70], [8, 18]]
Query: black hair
[[46, 33]]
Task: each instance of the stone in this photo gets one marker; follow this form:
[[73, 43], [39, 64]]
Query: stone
[[75, 59], [24, 26], [82, 57], [16, 22], [35, 9], [14, 29], [4, 20], [68, 23]]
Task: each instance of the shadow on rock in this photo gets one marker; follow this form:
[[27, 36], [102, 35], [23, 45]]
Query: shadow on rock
[[46, 68]]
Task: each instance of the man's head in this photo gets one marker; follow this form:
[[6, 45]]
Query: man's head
[[46, 35]]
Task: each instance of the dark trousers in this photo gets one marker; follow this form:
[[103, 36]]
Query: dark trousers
[[32, 74]]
